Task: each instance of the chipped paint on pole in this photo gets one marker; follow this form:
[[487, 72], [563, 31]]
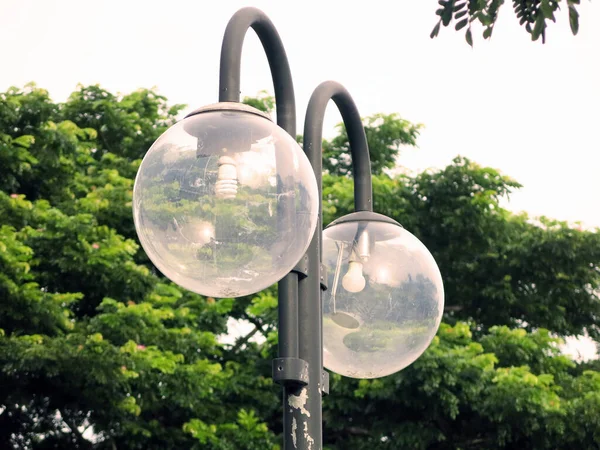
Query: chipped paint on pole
[[294, 428], [307, 437], [299, 402]]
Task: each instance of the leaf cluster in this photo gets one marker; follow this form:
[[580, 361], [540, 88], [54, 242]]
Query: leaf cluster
[[532, 14], [97, 349]]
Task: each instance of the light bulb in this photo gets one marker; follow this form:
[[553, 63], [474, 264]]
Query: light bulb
[[354, 281], [395, 315], [189, 214], [226, 186]]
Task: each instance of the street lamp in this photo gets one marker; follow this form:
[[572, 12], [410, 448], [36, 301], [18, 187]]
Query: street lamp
[[226, 203]]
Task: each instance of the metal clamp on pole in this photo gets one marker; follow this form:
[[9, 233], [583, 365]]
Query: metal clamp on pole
[[301, 268], [325, 383], [290, 371], [323, 280]]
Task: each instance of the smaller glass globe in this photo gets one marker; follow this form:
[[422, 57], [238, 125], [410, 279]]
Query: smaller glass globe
[[225, 202], [385, 298]]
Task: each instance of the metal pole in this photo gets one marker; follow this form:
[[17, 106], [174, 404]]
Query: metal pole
[[288, 369], [310, 319], [231, 61], [359, 149], [299, 367]]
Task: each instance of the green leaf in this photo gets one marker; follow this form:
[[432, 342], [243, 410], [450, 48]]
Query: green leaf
[[540, 25], [435, 30], [460, 25], [447, 14], [459, 6], [201, 431], [262, 303], [24, 141], [573, 19], [547, 9], [129, 405], [469, 37]]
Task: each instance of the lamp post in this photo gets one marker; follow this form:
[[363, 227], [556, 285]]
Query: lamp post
[[226, 204]]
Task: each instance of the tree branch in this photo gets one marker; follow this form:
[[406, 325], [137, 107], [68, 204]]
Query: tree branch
[[357, 431], [453, 308], [257, 323], [242, 341]]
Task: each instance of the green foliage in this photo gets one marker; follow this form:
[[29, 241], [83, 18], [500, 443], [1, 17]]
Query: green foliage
[[386, 133], [263, 101], [459, 395], [512, 270], [91, 334], [93, 337], [532, 14], [247, 432], [126, 125]]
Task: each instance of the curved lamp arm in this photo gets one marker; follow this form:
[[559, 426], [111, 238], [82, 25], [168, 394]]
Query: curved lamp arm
[[229, 91], [313, 138], [310, 307], [231, 60]]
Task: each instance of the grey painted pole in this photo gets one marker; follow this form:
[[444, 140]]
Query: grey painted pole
[[359, 149], [231, 61], [299, 367], [288, 369], [310, 319]]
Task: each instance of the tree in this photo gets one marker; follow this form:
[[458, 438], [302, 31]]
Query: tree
[[532, 14], [498, 268], [512, 389], [263, 101], [93, 337], [386, 134], [90, 338]]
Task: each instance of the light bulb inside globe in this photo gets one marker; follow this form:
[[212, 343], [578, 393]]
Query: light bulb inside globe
[[386, 309], [226, 186], [354, 280], [225, 202]]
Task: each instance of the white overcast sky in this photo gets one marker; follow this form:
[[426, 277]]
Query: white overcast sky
[[528, 109]]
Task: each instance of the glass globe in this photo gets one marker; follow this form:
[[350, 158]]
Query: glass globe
[[225, 202], [385, 296]]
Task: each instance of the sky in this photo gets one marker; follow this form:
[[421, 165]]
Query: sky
[[527, 109], [530, 110]]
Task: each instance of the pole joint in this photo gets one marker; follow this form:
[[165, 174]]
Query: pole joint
[[323, 278], [288, 371], [325, 383], [301, 268]]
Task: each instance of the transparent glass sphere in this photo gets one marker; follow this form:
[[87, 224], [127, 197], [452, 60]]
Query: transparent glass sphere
[[225, 203], [384, 301]]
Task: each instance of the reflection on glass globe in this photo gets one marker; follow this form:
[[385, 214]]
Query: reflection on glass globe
[[385, 296], [225, 202]]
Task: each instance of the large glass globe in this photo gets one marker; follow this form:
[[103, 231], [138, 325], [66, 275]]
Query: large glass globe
[[385, 296], [225, 202]]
